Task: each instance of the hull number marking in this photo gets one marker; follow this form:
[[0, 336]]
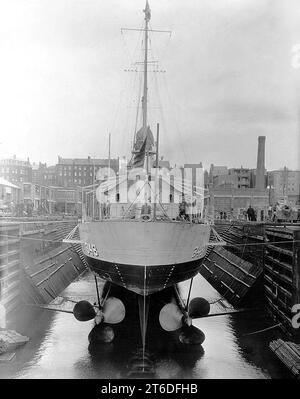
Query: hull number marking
[[91, 249], [198, 251]]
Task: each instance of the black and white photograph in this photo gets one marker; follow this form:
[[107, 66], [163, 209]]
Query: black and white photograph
[[149, 193]]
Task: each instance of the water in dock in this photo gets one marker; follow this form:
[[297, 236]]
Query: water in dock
[[59, 347]]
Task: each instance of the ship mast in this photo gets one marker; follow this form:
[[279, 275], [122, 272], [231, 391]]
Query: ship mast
[[147, 12]]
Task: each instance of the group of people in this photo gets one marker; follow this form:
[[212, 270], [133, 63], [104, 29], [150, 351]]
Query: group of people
[[249, 214], [223, 215]]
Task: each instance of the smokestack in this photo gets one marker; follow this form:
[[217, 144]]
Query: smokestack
[[260, 169]]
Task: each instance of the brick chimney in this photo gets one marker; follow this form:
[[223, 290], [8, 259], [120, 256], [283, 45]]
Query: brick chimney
[[260, 169]]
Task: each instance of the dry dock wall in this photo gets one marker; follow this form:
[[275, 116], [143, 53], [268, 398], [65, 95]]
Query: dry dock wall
[[9, 265], [35, 266], [236, 270], [233, 277], [282, 274], [273, 251]]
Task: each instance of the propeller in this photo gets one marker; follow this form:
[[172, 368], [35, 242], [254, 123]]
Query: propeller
[[191, 335], [84, 311], [198, 307], [171, 317], [112, 312]]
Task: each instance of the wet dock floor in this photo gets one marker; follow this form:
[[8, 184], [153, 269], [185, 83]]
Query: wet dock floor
[[59, 347]]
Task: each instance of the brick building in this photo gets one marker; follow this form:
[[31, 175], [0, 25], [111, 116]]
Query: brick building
[[44, 175], [235, 201], [9, 194], [284, 183], [15, 170], [73, 172], [39, 198]]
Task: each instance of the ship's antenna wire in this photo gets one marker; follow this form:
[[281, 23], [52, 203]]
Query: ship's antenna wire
[[130, 82], [175, 118], [137, 112], [164, 51]]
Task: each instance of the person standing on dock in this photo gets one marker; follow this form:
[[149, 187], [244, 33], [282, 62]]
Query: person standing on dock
[[251, 214]]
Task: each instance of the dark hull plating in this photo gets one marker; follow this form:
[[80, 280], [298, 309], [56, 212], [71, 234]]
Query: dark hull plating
[[144, 280]]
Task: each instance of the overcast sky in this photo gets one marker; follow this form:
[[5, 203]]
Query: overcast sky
[[229, 78]]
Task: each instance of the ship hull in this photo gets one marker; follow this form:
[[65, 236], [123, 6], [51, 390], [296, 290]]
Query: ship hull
[[144, 257], [147, 279]]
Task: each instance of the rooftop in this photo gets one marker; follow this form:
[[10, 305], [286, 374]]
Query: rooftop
[[6, 183], [85, 161]]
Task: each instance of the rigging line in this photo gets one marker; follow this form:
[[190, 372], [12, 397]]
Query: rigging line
[[175, 117], [121, 98], [138, 97], [136, 46], [42, 221], [151, 51], [164, 212], [161, 110], [228, 245], [155, 79], [163, 53], [139, 43], [126, 125], [130, 83], [134, 200], [216, 301], [137, 112], [29, 238], [126, 47], [265, 329]]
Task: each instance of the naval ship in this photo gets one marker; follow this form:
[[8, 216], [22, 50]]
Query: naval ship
[[140, 242], [144, 253]]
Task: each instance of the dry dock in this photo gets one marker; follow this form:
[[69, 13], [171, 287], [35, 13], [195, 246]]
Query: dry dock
[[259, 267]]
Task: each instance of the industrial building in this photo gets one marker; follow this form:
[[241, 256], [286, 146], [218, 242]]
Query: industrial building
[[233, 190]]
